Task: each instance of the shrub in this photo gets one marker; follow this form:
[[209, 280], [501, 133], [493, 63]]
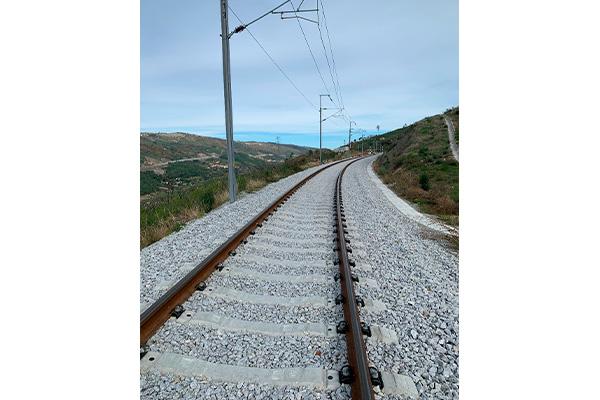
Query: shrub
[[454, 194], [149, 182], [424, 181], [241, 182], [221, 197], [445, 205], [187, 169], [207, 199]]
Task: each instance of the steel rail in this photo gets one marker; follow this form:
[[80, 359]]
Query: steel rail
[[159, 312], [359, 374]]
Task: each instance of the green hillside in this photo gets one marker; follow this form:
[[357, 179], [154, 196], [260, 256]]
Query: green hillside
[[174, 160], [417, 164]]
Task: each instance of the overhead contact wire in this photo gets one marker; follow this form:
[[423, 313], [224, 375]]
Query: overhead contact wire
[[274, 62], [331, 51], [310, 49]]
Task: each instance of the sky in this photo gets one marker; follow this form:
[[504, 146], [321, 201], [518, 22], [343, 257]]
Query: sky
[[396, 62]]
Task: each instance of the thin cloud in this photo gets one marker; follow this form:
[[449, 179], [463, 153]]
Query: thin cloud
[[397, 62]]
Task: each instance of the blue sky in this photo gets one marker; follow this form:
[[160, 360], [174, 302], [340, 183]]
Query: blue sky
[[397, 62]]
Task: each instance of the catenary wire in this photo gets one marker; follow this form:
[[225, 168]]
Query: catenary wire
[[331, 72], [310, 49], [337, 94], [331, 51], [339, 114], [274, 62]]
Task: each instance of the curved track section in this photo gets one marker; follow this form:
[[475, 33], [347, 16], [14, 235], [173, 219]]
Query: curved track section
[[170, 302], [278, 316]]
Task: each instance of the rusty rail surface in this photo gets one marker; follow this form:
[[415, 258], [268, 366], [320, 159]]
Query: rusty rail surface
[[159, 312], [357, 373]]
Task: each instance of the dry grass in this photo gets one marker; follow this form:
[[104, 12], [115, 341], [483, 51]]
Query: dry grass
[[174, 222], [434, 201], [413, 193], [451, 220], [445, 205], [151, 234], [154, 233], [452, 241], [188, 214], [221, 198], [253, 184]]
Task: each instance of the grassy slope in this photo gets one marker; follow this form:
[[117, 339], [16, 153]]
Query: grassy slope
[[417, 164], [171, 210]]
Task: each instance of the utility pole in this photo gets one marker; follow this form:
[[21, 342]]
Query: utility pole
[[225, 35], [227, 95], [350, 135], [320, 131], [321, 125], [362, 145]]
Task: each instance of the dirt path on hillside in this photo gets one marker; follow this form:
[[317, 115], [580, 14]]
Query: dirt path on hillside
[[451, 139]]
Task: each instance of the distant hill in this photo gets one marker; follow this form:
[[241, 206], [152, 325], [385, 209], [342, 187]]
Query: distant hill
[[169, 160], [159, 149], [279, 151], [418, 165]]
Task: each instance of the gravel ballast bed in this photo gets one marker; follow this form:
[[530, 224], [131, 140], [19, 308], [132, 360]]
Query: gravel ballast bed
[[292, 226], [307, 221], [321, 213], [263, 312], [274, 288], [418, 282], [274, 255], [294, 234], [167, 387], [275, 241], [166, 260], [274, 268], [307, 255], [250, 349]]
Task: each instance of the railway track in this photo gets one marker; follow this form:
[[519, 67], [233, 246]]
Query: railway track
[[272, 313]]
